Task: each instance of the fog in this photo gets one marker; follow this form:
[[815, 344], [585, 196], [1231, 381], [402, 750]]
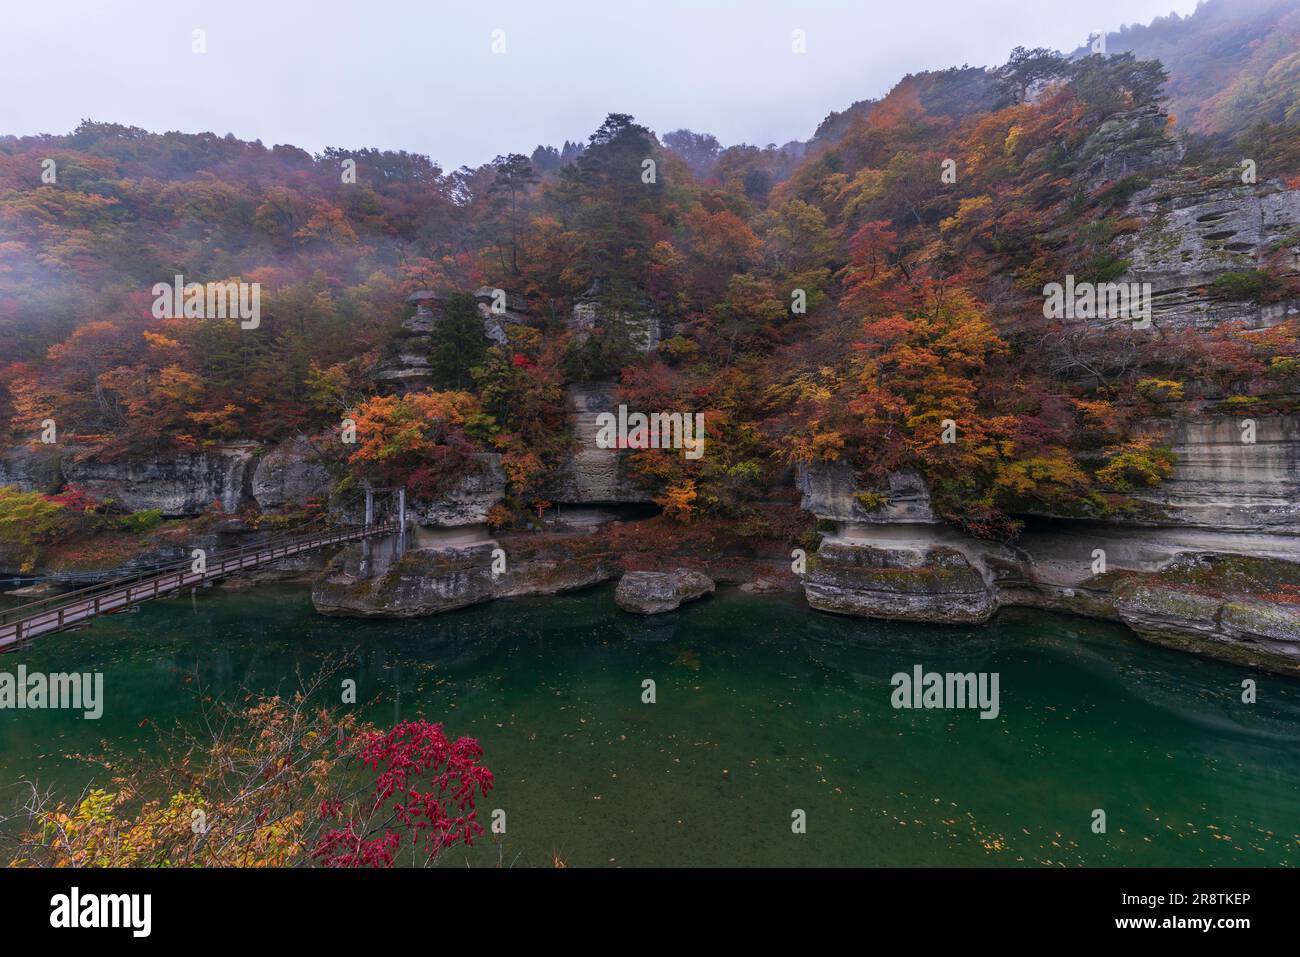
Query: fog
[[423, 76]]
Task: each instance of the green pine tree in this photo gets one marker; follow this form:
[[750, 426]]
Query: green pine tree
[[459, 344]]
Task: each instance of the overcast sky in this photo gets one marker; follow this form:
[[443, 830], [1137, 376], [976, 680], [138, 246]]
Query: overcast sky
[[421, 74]]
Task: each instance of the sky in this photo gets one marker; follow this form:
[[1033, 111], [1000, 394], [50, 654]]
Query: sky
[[422, 75]]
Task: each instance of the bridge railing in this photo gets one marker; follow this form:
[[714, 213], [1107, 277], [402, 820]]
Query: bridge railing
[[219, 564]]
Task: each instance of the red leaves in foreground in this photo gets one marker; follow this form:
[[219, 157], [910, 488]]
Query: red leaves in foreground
[[406, 757]]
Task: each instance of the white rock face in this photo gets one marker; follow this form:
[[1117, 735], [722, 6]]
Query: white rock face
[[830, 491], [1193, 236], [1222, 482]]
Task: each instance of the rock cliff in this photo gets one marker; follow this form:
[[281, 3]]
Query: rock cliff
[[1192, 234], [179, 484], [1213, 568], [592, 475], [290, 474], [469, 500], [1222, 482]]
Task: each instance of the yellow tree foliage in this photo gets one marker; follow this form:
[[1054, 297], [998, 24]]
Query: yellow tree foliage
[[678, 501]]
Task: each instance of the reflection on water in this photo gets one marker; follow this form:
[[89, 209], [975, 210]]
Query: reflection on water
[[763, 707]]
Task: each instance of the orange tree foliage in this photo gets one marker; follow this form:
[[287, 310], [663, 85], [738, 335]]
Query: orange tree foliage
[[420, 440], [929, 390]]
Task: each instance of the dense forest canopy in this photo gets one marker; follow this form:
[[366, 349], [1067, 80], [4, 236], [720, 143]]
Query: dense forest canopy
[[919, 296]]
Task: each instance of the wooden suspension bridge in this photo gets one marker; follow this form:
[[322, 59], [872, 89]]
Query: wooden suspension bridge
[[61, 612]]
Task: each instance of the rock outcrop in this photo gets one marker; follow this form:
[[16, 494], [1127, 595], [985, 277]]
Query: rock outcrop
[[935, 584], [178, 484], [1220, 481], [421, 582], [289, 475], [33, 468], [1234, 607], [1210, 565], [428, 581], [637, 317], [469, 500], [592, 475], [406, 367], [652, 593], [830, 491], [499, 310], [1128, 144], [1193, 234], [549, 565]]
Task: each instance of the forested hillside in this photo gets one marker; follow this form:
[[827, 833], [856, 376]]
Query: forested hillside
[[831, 303], [1232, 64]]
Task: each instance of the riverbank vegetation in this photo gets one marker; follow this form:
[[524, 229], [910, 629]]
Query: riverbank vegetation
[[267, 781]]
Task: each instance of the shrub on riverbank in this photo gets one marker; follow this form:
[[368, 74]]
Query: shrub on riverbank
[[278, 783]]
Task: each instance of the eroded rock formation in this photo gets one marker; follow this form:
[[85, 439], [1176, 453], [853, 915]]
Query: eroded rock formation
[[470, 498], [652, 593], [935, 584], [428, 581], [592, 475], [179, 484], [635, 316], [290, 474], [1193, 234], [1213, 567]]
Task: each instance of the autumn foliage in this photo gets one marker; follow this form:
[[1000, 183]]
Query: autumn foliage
[[420, 776], [275, 782], [845, 301]]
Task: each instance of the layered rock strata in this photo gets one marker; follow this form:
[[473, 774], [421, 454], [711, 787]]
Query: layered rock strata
[[1212, 566]]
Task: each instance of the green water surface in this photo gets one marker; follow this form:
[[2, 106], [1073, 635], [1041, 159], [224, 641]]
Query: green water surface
[[763, 707]]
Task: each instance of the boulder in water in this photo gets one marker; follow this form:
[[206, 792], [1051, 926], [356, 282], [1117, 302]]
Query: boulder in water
[[650, 593]]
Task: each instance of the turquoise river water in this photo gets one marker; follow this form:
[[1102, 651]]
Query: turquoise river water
[[762, 707]]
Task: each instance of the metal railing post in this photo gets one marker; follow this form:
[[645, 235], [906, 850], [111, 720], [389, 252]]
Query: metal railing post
[[365, 541], [401, 521]]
